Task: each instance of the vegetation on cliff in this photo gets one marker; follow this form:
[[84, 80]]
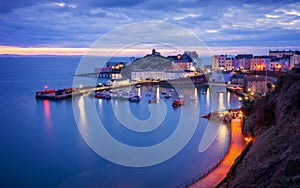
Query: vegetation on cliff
[[148, 62], [274, 158]]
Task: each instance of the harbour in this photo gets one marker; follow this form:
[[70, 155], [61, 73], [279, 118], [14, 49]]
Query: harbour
[[45, 135]]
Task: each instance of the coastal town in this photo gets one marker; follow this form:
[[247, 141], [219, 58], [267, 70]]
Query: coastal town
[[247, 75], [150, 94], [251, 78]]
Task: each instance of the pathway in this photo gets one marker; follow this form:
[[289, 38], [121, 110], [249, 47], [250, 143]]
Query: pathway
[[213, 178]]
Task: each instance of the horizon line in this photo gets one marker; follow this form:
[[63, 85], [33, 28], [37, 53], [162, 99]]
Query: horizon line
[[73, 51]]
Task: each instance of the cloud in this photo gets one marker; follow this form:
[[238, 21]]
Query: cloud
[[78, 24]]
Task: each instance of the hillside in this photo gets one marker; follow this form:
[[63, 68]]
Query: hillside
[[274, 158], [148, 62]]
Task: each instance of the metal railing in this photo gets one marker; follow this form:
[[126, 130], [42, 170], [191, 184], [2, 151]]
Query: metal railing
[[196, 178]]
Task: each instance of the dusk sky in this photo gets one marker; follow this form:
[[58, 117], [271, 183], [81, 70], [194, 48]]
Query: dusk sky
[[70, 27]]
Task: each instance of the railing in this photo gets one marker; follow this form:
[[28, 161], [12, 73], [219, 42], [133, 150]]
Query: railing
[[196, 178]]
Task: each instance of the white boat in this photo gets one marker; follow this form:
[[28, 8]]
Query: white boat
[[193, 98], [168, 95]]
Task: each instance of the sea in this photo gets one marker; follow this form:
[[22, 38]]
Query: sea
[[45, 144]]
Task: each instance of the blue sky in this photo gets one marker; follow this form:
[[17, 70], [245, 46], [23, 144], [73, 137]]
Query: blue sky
[[236, 25]]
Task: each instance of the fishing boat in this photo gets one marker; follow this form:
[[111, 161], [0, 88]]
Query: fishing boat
[[103, 95], [180, 96], [152, 101], [164, 92], [177, 102], [193, 98], [135, 99], [168, 95], [148, 94]]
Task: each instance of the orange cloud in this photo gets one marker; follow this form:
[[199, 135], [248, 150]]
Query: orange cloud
[[41, 51], [14, 50]]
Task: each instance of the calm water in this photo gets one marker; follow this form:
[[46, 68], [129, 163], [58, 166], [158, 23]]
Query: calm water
[[41, 145]]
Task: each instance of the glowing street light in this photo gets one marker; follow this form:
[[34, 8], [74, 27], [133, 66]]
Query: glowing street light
[[248, 139]]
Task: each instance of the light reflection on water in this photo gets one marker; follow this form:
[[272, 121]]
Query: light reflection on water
[[221, 101], [219, 142], [157, 93], [228, 99], [208, 97], [82, 113], [48, 120]]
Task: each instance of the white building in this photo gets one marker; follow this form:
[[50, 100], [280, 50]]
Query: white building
[[159, 75]]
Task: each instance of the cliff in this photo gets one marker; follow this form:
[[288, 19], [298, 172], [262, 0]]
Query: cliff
[[274, 158]]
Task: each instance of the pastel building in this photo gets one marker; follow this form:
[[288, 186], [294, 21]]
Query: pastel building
[[283, 53], [257, 84], [260, 63], [294, 60], [244, 60], [218, 61], [279, 64], [183, 62], [228, 64]]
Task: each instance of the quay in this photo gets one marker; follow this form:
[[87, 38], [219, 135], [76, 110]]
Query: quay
[[66, 93], [73, 92]]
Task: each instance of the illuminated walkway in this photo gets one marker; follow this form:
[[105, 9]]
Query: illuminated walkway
[[213, 178]]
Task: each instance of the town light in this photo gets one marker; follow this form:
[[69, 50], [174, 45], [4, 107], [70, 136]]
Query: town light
[[248, 139], [192, 68], [80, 86]]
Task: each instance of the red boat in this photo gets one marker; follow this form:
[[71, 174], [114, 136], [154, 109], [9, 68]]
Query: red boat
[[177, 102], [152, 101]]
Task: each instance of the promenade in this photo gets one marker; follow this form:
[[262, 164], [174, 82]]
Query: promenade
[[213, 178]]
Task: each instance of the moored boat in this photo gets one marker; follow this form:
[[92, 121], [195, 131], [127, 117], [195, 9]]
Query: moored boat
[[193, 98], [180, 96], [152, 101], [103, 95], [177, 102], [134, 99], [164, 92], [168, 95]]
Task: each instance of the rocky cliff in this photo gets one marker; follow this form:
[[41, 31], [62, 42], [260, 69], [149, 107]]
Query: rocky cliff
[[274, 158]]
